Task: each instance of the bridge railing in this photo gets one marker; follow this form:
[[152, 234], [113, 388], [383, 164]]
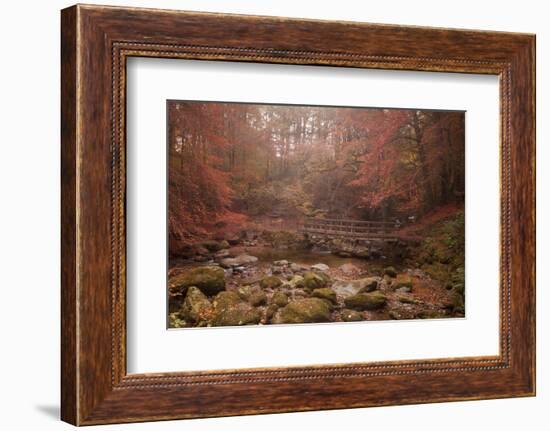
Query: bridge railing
[[350, 228]]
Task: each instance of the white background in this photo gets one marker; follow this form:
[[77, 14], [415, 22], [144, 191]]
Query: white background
[[151, 348], [29, 227]]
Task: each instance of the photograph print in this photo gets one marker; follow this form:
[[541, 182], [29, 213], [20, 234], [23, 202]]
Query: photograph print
[[291, 214]]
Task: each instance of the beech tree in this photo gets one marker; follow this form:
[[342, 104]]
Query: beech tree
[[233, 164]]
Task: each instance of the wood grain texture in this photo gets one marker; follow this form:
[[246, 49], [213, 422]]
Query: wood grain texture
[[69, 397], [96, 41]]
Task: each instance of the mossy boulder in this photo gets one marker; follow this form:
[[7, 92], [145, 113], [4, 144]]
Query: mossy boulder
[[270, 311], [351, 315], [307, 310], [320, 267], [236, 315], [325, 293], [297, 282], [208, 279], [196, 308], [231, 310], [245, 292], [226, 299], [257, 298], [252, 295], [390, 271], [315, 280], [270, 282], [175, 321], [280, 299], [368, 284], [366, 301]]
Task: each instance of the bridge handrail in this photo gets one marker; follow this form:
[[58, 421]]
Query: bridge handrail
[[349, 222]]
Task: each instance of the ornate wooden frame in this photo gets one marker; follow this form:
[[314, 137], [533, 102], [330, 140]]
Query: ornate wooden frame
[[95, 42]]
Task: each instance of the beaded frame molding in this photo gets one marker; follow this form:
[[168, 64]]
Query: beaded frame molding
[[95, 43]]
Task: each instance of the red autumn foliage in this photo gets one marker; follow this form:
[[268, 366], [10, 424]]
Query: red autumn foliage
[[232, 164]]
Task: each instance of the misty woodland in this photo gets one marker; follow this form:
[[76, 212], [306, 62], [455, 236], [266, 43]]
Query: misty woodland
[[282, 214]]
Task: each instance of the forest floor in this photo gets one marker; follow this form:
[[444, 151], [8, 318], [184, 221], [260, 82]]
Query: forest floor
[[273, 278]]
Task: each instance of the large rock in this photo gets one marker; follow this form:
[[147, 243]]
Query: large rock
[[368, 284], [270, 311], [270, 282], [351, 315], [196, 308], [366, 301], [315, 280], [297, 267], [237, 315], [280, 299], [257, 298], [252, 295], [307, 310], [240, 260], [325, 293], [208, 279], [230, 310], [320, 267], [297, 282], [226, 298]]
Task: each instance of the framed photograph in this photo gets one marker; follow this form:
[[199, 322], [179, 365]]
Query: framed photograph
[[329, 214]]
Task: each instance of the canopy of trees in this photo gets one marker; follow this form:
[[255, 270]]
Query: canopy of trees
[[231, 164]]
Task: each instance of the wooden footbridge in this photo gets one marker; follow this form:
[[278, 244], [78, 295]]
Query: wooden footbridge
[[351, 229]]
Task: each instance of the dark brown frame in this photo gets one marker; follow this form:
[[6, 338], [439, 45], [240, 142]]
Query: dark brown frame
[[95, 42]]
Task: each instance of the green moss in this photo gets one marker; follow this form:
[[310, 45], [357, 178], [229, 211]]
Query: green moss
[[307, 310], [230, 310], [196, 308], [226, 299], [208, 279], [366, 301], [270, 312], [368, 284], [270, 282], [351, 316], [175, 321], [441, 253], [315, 280], [280, 299], [236, 315], [325, 293], [257, 298]]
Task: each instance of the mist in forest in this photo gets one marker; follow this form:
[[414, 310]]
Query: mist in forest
[[250, 185]]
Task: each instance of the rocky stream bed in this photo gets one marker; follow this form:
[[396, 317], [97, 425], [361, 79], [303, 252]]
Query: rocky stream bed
[[255, 282]]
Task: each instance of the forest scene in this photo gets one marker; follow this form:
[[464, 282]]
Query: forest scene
[[286, 214]]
